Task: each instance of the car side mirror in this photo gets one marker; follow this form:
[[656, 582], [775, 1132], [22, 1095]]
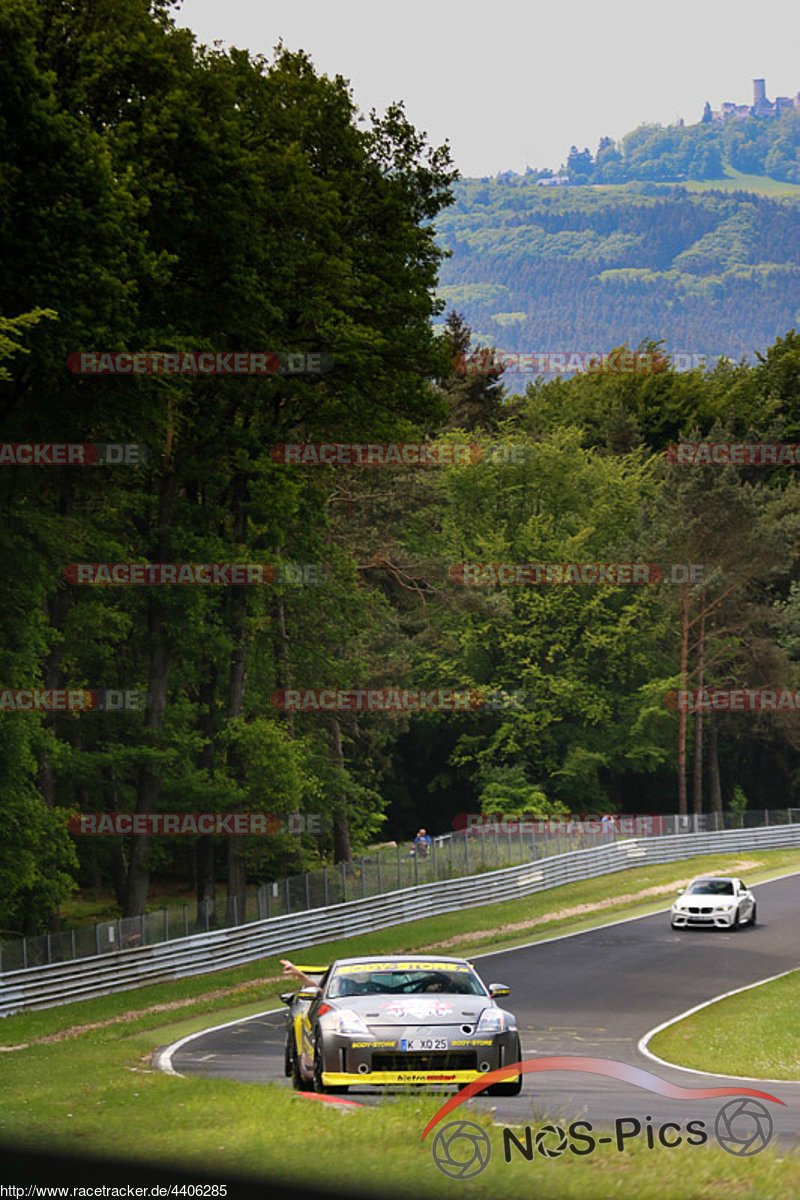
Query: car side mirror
[[308, 993], [681, 891], [499, 989], [287, 997]]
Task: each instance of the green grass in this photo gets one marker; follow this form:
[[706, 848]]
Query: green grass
[[754, 1033], [96, 1094]]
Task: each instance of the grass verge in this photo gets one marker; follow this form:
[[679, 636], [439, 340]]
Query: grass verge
[[754, 1033]]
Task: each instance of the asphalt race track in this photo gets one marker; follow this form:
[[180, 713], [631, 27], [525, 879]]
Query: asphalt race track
[[592, 994]]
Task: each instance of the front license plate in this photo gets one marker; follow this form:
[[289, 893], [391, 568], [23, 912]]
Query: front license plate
[[424, 1044]]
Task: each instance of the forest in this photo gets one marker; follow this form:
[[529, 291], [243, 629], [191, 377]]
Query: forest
[[160, 197]]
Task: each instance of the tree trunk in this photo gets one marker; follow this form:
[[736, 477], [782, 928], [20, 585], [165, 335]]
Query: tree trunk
[[204, 877], [715, 797], [138, 881], [682, 806], [698, 716], [341, 827], [237, 873]]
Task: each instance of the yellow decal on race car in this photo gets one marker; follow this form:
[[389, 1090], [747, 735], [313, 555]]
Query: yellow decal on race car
[[472, 1042], [418, 965], [364, 1045]]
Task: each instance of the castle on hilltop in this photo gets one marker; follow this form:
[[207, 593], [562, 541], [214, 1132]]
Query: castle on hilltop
[[761, 106]]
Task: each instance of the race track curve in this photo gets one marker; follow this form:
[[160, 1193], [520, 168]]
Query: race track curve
[[592, 994]]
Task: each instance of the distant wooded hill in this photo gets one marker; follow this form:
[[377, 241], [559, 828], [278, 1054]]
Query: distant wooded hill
[[590, 268]]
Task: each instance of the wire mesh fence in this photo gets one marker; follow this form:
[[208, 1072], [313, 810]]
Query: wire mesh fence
[[487, 846]]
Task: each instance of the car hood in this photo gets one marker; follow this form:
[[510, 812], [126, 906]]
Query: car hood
[[700, 899], [433, 1008]]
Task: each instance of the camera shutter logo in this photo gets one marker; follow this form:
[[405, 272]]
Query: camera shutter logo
[[551, 1151], [461, 1150], [743, 1127]]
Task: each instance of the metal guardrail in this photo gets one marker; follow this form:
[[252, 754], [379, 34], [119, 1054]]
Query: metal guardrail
[[83, 979]]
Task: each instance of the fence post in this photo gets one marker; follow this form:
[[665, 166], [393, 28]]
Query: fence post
[[435, 868], [186, 920], [325, 883], [416, 868], [466, 854], [74, 955], [97, 938], [380, 881], [399, 873], [308, 893], [49, 959], [288, 902], [766, 817], [119, 933], [24, 952], [344, 880], [141, 927]]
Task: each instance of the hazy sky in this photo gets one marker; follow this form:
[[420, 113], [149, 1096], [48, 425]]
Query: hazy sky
[[512, 84]]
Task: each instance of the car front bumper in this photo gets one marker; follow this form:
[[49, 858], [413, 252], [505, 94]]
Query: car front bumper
[[711, 920], [383, 1060]]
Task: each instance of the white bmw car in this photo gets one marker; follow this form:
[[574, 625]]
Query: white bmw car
[[717, 902]]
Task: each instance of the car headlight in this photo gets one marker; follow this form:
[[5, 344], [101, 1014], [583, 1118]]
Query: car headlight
[[347, 1021], [724, 907], [493, 1020]]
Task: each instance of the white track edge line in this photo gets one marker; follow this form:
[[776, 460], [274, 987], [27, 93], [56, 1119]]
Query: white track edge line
[[162, 1059], [641, 1045]]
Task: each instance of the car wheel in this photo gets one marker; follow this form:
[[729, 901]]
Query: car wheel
[[287, 1055], [299, 1083], [753, 916], [735, 923], [514, 1086], [319, 1086]]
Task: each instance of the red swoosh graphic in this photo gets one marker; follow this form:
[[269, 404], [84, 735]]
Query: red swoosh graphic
[[593, 1066]]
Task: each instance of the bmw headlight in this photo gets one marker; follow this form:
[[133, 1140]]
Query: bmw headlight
[[493, 1020], [347, 1021], [724, 907]]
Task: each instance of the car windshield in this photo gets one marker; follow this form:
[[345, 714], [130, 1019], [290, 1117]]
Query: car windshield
[[403, 979], [711, 887]]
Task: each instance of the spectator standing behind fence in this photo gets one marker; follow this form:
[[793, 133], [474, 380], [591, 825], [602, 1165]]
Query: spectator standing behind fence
[[422, 844], [608, 826]]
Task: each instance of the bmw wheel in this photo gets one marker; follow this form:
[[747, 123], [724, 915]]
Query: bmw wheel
[[753, 917], [514, 1086]]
